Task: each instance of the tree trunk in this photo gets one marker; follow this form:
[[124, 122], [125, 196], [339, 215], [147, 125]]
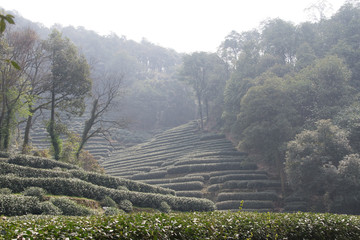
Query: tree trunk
[[200, 111], [55, 141], [281, 173], [25, 149], [88, 125]]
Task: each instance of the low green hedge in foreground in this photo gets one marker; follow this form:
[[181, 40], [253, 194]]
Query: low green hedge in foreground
[[208, 225]]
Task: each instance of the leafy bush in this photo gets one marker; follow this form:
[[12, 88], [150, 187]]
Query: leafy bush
[[108, 202], [48, 208], [196, 194], [16, 205], [211, 167], [221, 179], [70, 208], [164, 207], [149, 175], [4, 154], [35, 192], [247, 196], [126, 205], [209, 225], [24, 171], [111, 211], [5, 191], [75, 187], [247, 204], [184, 186], [38, 162]]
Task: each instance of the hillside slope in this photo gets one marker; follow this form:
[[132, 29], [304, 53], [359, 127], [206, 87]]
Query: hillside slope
[[18, 173], [199, 165]]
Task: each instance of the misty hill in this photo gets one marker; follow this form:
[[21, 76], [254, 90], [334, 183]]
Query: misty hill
[[20, 174], [197, 164], [151, 96]]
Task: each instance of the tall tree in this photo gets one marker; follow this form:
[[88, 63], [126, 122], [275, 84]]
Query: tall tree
[[69, 82], [203, 71], [103, 99]]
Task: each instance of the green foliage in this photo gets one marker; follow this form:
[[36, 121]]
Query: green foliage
[[75, 187], [164, 207], [38, 162], [126, 205], [112, 211], [215, 225], [5, 191], [108, 202], [70, 208], [48, 208], [17, 205], [35, 192]]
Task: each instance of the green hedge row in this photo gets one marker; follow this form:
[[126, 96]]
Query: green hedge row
[[39, 162], [211, 167], [212, 226], [175, 180], [196, 185], [246, 204], [79, 188], [23, 171], [17, 205], [196, 194], [225, 178], [272, 196], [245, 184], [95, 178], [149, 175]]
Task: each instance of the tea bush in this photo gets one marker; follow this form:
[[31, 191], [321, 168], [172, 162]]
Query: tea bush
[[15, 205], [35, 192], [70, 208], [39, 162], [209, 225], [126, 205], [79, 188], [48, 208]]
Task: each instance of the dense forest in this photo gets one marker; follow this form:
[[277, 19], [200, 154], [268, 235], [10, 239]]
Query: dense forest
[[286, 94]]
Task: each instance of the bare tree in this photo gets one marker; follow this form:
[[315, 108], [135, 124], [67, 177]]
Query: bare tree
[[106, 93]]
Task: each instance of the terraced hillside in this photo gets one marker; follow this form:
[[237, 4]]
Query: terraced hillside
[[197, 164], [20, 173]]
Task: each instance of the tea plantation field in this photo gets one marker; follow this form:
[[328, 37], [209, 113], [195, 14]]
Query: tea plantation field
[[194, 225], [201, 165]]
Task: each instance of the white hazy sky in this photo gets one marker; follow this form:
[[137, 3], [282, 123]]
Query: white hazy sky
[[183, 25]]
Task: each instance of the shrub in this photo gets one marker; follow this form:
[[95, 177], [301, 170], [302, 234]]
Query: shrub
[[5, 191], [164, 207], [247, 204], [271, 196], [111, 211], [35, 192], [196, 194], [188, 186], [108, 202], [126, 205], [39, 162], [75, 187], [16, 205], [221, 179], [4, 154], [48, 208], [149, 175], [70, 208]]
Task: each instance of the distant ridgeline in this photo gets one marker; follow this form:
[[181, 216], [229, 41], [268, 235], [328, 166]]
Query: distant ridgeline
[[196, 164]]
